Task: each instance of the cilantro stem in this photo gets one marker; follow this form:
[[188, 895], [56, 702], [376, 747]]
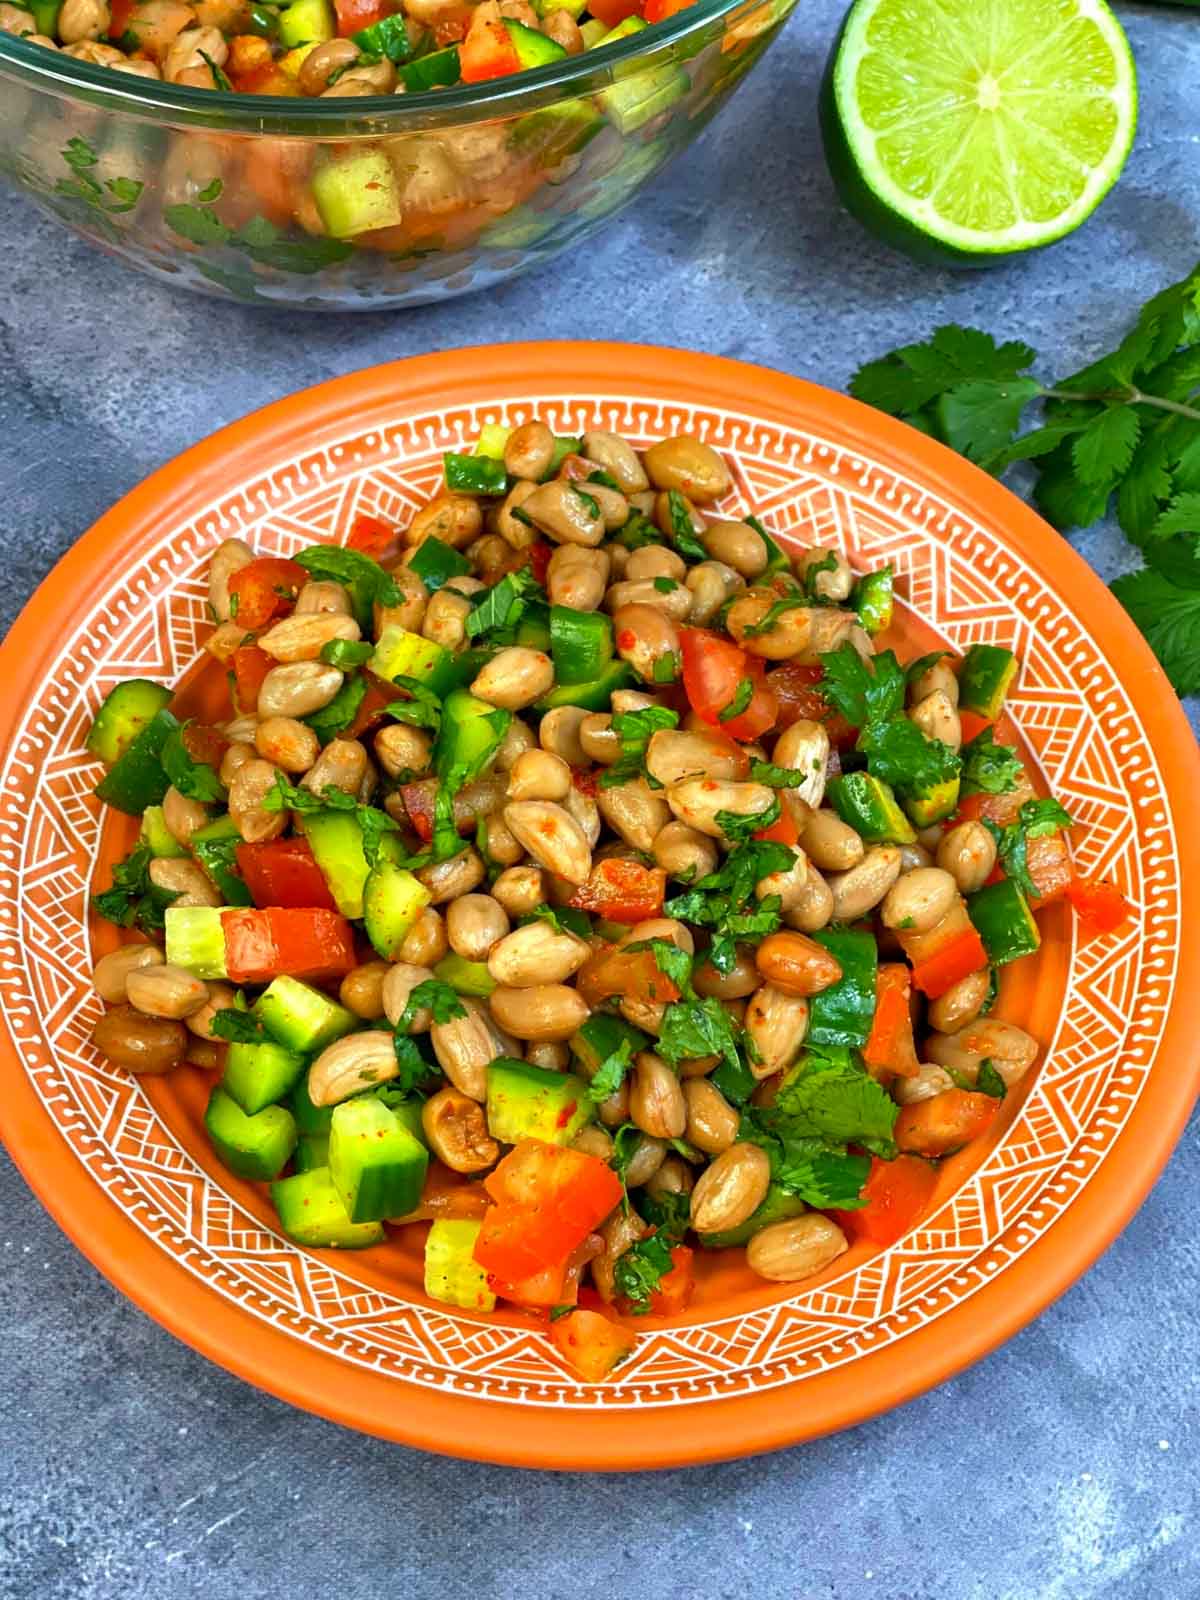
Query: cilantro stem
[[1128, 397]]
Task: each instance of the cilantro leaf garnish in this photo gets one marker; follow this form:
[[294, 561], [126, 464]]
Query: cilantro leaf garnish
[[497, 611], [777, 609], [863, 694], [1124, 432], [639, 1271], [635, 730], [132, 899], [988, 767], [433, 995], [195, 779], [990, 1082], [369, 584], [683, 534], [738, 826], [610, 1074], [725, 900], [899, 753], [238, 1026], [346, 653], [742, 697]]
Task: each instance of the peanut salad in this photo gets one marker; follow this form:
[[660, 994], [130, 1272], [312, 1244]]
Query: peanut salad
[[572, 877], [306, 48]]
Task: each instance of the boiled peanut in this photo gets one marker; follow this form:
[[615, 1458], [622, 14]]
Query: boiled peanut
[[797, 1248], [731, 1189]]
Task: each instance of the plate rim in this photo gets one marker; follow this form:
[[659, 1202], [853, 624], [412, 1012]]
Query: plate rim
[[458, 1425]]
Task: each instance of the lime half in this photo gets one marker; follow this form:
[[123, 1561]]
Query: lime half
[[966, 130]]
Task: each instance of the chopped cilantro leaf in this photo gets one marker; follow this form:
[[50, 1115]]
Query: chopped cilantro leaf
[[742, 697], [635, 730], [863, 694], [990, 1082], [988, 767], [739, 826], [640, 1270], [195, 779], [132, 899], [238, 1026], [610, 1074]]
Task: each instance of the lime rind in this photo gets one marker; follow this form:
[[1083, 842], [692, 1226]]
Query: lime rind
[[1004, 137]]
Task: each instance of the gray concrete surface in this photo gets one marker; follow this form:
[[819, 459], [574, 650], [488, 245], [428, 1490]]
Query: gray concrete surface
[[1062, 1468]]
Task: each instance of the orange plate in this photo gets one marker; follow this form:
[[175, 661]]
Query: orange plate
[[125, 1168]]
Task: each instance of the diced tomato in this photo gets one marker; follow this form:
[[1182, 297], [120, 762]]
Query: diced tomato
[[539, 1291], [354, 15], [120, 11], [372, 535], [590, 1343], [795, 687], [250, 667], [263, 589], [943, 1123], [896, 1192], [370, 713], [675, 1288], [782, 831], [958, 958], [1048, 860], [1001, 809], [1100, 907], [297, 943], [282, 872], [539, 559], [205, 743], [622, 891], [660, 10], [548, 1199], [890, 1046], [487, 51], [269, 78], [713, 668], [610, 12], [972, 725], [611, 970]]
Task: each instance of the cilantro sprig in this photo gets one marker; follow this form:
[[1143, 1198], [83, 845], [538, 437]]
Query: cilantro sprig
[[1036, 820], [132, 900], [640, 1269], [1121, 434], [724, 900], [635, 729]]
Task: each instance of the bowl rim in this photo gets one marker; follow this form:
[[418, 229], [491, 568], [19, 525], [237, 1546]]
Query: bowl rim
[[371, 115], [454, 1424]]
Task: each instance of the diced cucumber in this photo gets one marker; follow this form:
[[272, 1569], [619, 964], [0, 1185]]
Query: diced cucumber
[[533, 630], [163, 843], [870, 807], [776, 1206], [388, 37], [137, 778], [593, 32], [126, 710], [357, 193], [311, 1213], [873, 600], [564, 446], [400, 654], [581, 643], [257, 1075], [525, 1102], [471, 731], [307, 22], [594, 696], [378, 1166], [492, 442], [465, 977], [45, 16], [474, 474], [253, 1147], [984, 679], [310, 1119], [392, 900], [635, 100], [602, 1036], [195, 940], [576, 8], [438, 70], [300, 1017], [550, 135], [312, 1150], [533, 49], [1003, 920], [452, 1274], [518, 230], [335, 839], [622, 30], [215, 847], [939, 801]]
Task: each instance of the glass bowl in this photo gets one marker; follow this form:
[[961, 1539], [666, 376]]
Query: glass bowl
[[371, 202]]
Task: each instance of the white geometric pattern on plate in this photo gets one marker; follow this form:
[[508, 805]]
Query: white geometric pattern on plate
[[959, 579]]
